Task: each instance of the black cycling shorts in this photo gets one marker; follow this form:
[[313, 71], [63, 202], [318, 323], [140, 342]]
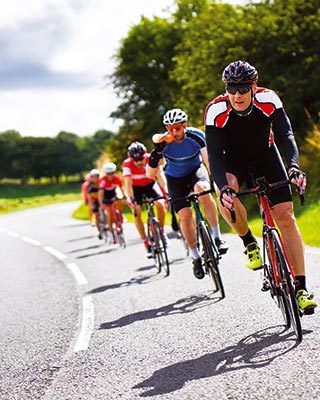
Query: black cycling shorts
[[269, 165], [109, 196], [96, 206], [180, 187], [152, 190]]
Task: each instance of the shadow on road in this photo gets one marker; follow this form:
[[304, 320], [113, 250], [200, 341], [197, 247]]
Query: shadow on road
[[254, 351], [97, 253], [97, 246], [182, 306], [77, 239]]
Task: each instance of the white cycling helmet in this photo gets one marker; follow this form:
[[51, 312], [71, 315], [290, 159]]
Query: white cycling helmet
[[94, 172], [174, 116], [109, 167]]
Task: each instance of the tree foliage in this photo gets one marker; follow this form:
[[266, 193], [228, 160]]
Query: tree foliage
[[178, 62]]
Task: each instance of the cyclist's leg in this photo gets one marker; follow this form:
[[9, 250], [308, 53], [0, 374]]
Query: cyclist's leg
[[153, 192], [210, 208]]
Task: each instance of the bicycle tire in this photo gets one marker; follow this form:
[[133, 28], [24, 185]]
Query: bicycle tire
[[275, 292], [160, 249], [288, 286], [209, 257], [119, 229]]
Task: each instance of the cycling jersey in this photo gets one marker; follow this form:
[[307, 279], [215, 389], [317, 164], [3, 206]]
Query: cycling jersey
[[106, 184], [184, 157], [138, 175], [247, 139], [93, 190], [84, 191]]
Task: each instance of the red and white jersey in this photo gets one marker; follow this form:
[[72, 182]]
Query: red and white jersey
[[138, 175], [107, 184]]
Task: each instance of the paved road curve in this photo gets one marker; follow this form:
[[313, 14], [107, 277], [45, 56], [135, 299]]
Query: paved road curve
[[83, 320]]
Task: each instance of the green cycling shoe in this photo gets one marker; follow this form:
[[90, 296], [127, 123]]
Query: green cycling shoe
[[254, 260], [306, 302]]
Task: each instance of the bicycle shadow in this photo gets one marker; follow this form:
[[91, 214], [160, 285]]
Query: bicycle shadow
[[138, 280], [97, 253], [182, 306], [257, 350], [81, 238], [97, 246]]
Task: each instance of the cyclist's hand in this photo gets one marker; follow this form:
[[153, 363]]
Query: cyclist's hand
[[131, 202], [226, 197], [298, 178]]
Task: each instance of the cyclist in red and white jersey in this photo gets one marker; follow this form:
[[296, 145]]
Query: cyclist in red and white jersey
[[139, 185], [108, 196]]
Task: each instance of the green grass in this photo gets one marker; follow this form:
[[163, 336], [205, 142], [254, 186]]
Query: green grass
[[15, 197]]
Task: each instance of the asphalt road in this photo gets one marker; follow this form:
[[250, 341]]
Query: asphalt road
[[84, 320]]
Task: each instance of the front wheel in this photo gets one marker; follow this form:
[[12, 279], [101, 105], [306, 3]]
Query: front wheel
[[287, 286], [210, 257]]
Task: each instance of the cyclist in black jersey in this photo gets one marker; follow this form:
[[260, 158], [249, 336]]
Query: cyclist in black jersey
[[243, 126]]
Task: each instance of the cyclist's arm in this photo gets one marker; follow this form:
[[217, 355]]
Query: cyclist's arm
[[205, 159], [128, 185], [152, 172], [162, 179], [282, 129], [100, 195], [215, 148]]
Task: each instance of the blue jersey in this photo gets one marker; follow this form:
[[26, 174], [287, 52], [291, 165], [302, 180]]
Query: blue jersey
[[184, 157]]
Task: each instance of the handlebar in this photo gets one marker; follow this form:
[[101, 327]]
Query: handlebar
[[263, 188], [192, 196]]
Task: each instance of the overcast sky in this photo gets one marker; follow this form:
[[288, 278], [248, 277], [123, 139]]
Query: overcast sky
[[53, 57]]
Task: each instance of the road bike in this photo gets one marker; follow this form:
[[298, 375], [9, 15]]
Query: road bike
[[156, 237], [209, 253], [117, 234], [278, 275]]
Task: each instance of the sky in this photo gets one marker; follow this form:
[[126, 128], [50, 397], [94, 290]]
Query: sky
[[54, 57]]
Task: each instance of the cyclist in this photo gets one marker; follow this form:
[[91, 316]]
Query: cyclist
[[242, 128], [93, 201], [84, 195], [107, 195], [184, 148], [138, 185]]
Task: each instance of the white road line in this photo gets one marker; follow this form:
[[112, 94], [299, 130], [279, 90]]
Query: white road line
[[55, 252], [13, 234], [87, 324], [79, 277], [31, 241]]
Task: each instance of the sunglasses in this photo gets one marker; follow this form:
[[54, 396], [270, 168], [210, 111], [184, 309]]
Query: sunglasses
[[241, 89], [138, 159]]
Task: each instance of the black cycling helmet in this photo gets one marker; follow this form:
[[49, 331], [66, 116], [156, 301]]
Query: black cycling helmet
[[239, 73], [136, 150], [174, 116]]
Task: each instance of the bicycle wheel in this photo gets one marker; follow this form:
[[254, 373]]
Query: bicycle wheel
[[275, 292], [161, 256], [210, 257], [119, 229], [287, 286]]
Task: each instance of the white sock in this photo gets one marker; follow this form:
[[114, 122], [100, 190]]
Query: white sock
[[215, 230], [195, 253]]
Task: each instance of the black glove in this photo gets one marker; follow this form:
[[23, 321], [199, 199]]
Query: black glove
[[226, 190], [294, 173]]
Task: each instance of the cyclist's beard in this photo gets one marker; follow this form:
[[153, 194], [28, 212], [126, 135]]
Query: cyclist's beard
[[180, 137]]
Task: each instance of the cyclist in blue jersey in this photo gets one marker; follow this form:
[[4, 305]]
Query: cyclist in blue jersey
[[243, 127], [184, 149]]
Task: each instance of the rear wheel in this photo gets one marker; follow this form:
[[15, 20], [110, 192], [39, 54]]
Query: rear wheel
[[287, 286], [210, 257]]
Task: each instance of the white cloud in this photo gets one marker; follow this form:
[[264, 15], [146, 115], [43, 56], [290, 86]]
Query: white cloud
[[55, 54]]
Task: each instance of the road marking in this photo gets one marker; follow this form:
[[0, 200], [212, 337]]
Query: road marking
[[13, 234], [87, 324], [79, 277], [55, 252], [31, 241]]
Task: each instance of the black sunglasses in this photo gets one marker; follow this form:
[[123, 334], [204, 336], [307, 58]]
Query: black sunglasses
[[138, 159], [241, 89]]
